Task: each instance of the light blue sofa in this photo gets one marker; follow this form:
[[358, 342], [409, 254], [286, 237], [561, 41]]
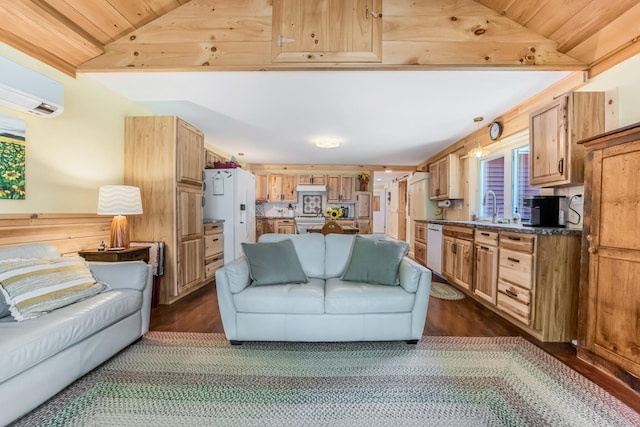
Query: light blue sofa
[[326, 308], [39, 357]]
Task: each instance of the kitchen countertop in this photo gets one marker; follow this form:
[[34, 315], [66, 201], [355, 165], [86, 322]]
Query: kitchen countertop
[[213, 221], [515, 228]]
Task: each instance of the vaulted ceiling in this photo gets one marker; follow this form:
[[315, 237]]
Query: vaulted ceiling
[[183, 35]]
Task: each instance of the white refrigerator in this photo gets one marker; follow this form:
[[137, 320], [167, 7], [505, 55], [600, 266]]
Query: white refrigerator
[[230, 195]]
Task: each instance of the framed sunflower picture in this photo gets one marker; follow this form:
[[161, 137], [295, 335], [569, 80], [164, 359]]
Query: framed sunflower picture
[[12, 158]]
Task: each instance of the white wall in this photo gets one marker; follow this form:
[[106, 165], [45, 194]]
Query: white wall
[[70, 156]]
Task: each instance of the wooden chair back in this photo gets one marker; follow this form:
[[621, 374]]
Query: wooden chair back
[[331, 227]]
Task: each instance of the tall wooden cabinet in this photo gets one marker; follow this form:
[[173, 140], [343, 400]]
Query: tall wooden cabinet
[[609, 316], [556, 158], [164, 157]]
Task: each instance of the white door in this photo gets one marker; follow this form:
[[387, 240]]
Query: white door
[[379, 208]]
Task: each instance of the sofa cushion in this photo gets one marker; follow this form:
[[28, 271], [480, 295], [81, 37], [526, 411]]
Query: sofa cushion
[[375, 261], [310, 250], [274, 263], [337, 249], [285, 298], [342, 297], [25, 344], [33, 287]]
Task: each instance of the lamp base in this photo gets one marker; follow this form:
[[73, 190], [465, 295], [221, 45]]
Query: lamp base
[[119, 232]]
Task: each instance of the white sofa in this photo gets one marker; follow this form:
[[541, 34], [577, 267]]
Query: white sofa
[[41, 356], [326, 308]]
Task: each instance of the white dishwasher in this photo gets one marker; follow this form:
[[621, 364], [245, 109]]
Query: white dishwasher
[[434, 247]]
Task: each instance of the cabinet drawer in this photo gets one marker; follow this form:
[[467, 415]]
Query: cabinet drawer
[[421, 231], [485, 237], [211, 265], [420, 253], [516, 267], [514, 301], [517, 241], [213, 244], [213, 228], [465, 233]]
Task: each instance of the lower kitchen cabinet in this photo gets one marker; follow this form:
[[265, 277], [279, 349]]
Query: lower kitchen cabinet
[[285, 226], [457, 255], [486, 275], [213, 249], [420, 242], [529, 279]]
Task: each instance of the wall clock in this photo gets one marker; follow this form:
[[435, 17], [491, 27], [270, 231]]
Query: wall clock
[[495, 130]]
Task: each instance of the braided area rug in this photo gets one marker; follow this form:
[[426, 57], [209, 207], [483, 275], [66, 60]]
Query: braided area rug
[[186, 379], [444, 291]]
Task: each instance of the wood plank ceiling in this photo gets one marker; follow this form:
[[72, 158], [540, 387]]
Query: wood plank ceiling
[[108, 35]]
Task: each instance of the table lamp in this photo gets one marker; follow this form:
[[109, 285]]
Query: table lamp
[[119, 200]]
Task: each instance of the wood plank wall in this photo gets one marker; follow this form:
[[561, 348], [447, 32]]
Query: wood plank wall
[[70, 232]]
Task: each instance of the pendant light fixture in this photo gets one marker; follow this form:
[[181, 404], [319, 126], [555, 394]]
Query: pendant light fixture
[[478, 152]]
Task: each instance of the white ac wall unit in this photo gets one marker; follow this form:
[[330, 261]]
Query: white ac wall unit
[[26, 90]]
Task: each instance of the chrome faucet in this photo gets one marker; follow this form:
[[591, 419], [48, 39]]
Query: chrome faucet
[[494, 216]]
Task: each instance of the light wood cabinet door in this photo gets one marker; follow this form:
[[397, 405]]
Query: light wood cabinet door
[[556, 158], [340, 188], [262, 187], [548, 143], [189, 213], [289, 188], [190, 154], [610, 289], [190, 264], [327, 31], [486, 277], [312, 179], [285, 226], [347, 188], [448, 258], [444, 178], [363, 205], [464, 263], [275, 188]]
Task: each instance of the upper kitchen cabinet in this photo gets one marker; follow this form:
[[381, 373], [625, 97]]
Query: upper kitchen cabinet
[[312, 179], [444, 180], [340, 188], [556, 159], [262, 187], [327, 31], [282, 188]]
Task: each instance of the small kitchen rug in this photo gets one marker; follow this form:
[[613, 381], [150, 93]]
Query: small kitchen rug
[[444, 291], [188, 379]]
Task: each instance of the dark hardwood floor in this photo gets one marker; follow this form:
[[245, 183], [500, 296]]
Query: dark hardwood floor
[[199, 312]]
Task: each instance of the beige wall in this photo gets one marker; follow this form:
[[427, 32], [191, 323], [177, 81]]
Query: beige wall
[[70, 156]]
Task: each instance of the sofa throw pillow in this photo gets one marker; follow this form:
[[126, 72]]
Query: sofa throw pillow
[[375, 261], [274, 263], [33, 287]]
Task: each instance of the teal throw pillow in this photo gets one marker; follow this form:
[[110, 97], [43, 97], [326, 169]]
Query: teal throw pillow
[[375, 261], [274, 263]]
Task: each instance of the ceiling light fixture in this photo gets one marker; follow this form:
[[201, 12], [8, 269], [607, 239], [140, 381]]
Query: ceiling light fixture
[[327, 142], [478, 152]]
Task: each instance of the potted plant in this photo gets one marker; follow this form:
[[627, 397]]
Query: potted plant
[[364, 181]]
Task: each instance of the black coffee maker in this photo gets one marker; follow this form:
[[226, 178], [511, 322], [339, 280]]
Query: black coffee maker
[[546, 211]]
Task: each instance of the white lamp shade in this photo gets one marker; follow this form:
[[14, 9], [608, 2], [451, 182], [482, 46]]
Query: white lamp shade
[[119, 200]]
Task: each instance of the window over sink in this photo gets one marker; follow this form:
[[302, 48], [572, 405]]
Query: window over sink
[[506, 172]]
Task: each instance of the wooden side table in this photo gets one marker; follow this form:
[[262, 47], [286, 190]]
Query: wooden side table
[[138, 253]]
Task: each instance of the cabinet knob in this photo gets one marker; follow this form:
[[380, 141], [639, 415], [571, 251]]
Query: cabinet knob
[[592, 250]]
